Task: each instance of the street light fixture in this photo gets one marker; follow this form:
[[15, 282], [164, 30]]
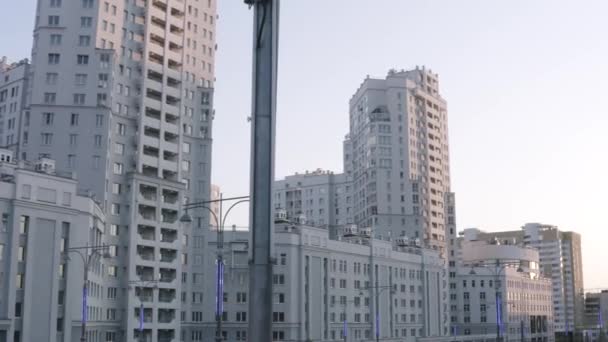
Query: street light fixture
[[96, 252], [220, 221]]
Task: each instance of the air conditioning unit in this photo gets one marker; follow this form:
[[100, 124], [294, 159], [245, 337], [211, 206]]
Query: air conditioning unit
[[45, 165], [366, 232], [280, 216], [402, 241], [350, 230]]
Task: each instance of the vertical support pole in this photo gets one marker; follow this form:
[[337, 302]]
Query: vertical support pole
[[265, 41]]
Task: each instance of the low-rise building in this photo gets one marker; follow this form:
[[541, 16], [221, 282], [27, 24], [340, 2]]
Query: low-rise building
[[40, 289], [325, 288], [596, 316], [498, 288]]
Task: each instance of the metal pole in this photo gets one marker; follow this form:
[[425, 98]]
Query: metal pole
[[522, 331], [345, 332], [219, 276], [266, 15], [377, 309], [85, 289]]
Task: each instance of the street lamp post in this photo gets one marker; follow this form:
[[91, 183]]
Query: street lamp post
[[142, 283], [87, 259], [220, 221], [378, 289], [497, 268]]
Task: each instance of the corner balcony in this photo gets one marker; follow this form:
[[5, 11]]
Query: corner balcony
[[148, 192], [147, 314], [147, 213], [147, 233]]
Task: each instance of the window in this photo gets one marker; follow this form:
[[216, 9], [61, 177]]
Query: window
[[97, 140], [79, 99], [51, 78], [74, 119], [241, 297], [186, 148], [55, 39], [98, 120], [116, 188], [84, 40], [55, 3], [53, 58], [241, 316], [118, 168], [112, 271], [86, 22], [82, 59], [278, 316], [81, 79], [114, 229], [50, 98], [71, 161], [73, 139], [53, 20], [121, 129], [119, 148], [19, 281], [46, 138], [47, 119], [87, 3]]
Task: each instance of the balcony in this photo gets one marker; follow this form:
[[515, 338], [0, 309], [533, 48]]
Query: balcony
[[151, 151], [170, 156], [145, 273], [170, 175], [145, 294], [147, 212], [168, 235], [166, 315], [149, 171], [161, 24], [171, 137], [146, 232], [168, 255], [160, 5], [167, 275], [168, 216], [147, 314], [170, 196], [153, 113], [148, 192], [156, 58], [146, 253], [152, 132], [166, 295]]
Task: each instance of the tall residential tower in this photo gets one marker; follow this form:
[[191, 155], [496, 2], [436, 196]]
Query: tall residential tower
[[397, 155], [120, 93]]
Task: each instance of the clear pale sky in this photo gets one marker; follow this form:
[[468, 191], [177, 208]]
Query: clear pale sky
[[526, 84]]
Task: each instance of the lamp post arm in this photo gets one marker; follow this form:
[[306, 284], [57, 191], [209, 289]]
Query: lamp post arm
[[229, 209], [215, 218]]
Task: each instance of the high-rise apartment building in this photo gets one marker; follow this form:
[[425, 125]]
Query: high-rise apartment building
[[13, 86], [397, 155], [560, 259], [322, 197], [120, 93]]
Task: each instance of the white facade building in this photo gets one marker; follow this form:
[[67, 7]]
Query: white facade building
[[43, 214], [499, 289], [13, 87], [321, 196], [397, 155], [120, 93], [560, 259], [320, 282]]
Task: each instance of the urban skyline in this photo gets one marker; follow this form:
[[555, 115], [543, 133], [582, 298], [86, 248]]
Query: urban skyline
[[112, 122], [542, 66]]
